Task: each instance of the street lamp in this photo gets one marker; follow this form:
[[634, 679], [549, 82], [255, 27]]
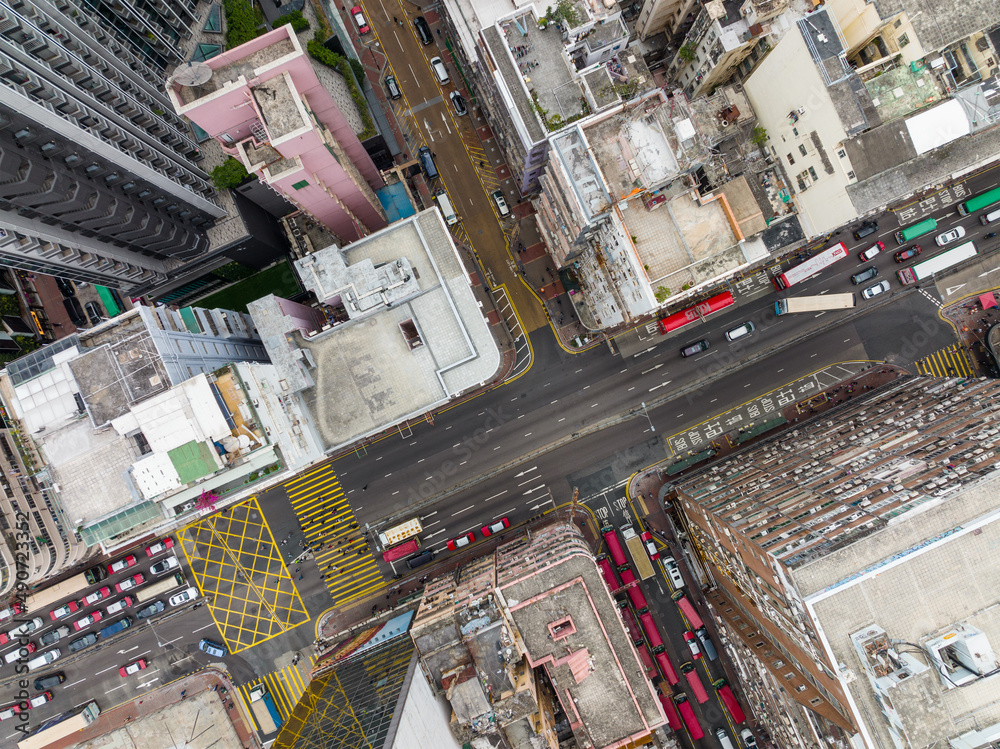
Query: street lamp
[[646, 413]]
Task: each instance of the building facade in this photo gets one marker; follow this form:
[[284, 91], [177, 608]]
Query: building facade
[[267, 107], [817, 534], [99, 179]]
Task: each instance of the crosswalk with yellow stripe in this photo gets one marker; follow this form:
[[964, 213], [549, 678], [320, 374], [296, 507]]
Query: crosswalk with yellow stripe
[[953, 361], [332, 532], [286, 686]]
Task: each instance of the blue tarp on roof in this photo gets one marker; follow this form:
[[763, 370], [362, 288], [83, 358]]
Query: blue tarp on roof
[[396, 202]]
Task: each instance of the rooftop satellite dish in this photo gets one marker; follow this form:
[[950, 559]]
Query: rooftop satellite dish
[[192, 74]]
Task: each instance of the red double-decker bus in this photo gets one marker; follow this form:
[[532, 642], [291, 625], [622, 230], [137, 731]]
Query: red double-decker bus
[[635, 596], [729, 700], [694, 682], [687, 609], [810, 267], [649, 627], [696, 312], [647, 662], [673, 719], [608, 572], [666, 667], [687, 713], [614, 546], [630, 627], [401, 550]]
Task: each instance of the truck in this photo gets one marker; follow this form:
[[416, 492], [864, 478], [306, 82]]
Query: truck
[[638, 551], [264, 710], [818, 303], [399, 533]]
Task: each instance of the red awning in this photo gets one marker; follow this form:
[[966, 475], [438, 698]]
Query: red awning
[[987, 300]]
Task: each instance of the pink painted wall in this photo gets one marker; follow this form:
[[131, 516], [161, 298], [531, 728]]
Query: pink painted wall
[[305, 318]]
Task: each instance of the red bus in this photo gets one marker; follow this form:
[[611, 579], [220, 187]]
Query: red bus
[[630, 627], [614, 546], [628, 577], [687, 609], [673, 719], [636, 597], [729, 700], [697, 312], [810, 267], [610, 578], [666, 667], [647, 662], [401, 550], [687, 713], [649, 627], [694, 682]]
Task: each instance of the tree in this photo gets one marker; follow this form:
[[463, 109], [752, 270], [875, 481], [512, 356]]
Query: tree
[[662, 292], [759, 136], [229, 174], [687, 52]]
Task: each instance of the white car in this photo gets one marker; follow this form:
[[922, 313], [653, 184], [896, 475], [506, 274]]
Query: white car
[[674, 572], [949, 236], [501, 202], [163, 565], [25, 628], [184, 596], [872, 291], [121, 605]]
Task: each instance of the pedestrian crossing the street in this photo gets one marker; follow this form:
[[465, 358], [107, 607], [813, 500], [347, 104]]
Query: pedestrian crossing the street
[[339, 547], [953, 361]]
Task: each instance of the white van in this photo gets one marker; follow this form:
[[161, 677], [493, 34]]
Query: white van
[[440, 70], [44, 659], [990, 217], [444, 204], [743, 330], [724, 741], [14, 654]]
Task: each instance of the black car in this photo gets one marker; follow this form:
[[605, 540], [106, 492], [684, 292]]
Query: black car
[[458, 102], [82, 642], [66, 287], [94, 312], [865, 275], [74, 310], [868, 227], [49, 680], [154, 608], [423, 30], [50, 638]]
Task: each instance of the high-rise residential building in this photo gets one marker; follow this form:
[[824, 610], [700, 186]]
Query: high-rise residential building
[[286, 119], [127, 425], [852, 557], [98, 175]]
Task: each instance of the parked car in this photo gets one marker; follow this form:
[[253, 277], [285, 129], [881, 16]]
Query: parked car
[[82, 642], [903, 255], [25, 628], [212, 648], [39, 699], [875, 249], [94, 313], [868, 227], [706, 643], [85, 621], [949, 236], [184, 596], [458, 102], [692, 643], [159, 547], [151, 610], [392, 87], [872, 291], [65, 610], [489, 530], [65, 287], [749, 740], [122, 564], [133, 668], [674, 572], [120, 605], [423, 30], [75, 310], [51, 638], [458, 543], [501, 202], [866, 275], [49, 680], [359, 19], [162, 566], [130, 582], [91, 598], [647, 540]]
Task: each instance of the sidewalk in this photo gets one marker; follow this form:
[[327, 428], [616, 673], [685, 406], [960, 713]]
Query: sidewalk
[[972, 325]]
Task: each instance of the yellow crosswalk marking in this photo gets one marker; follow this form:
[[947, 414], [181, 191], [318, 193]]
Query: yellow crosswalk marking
[[952, 361]]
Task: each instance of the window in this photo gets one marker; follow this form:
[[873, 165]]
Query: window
[[903, 40], [802, 149], [850, 175], [899, 22], [842, 153], [790, 159], [789, 676], [300, 185], [812, 173], [795, 132], [815, 701]]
